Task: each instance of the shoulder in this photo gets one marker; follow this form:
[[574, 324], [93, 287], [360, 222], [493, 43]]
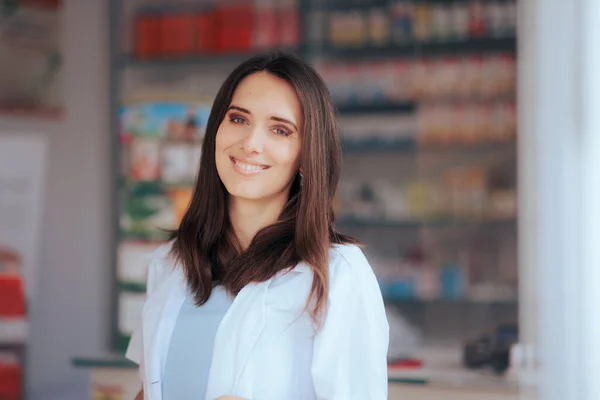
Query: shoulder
[[349, 266], [348, 258], [161, 252], [160, 264]]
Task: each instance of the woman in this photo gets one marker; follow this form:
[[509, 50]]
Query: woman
[[257, 296]]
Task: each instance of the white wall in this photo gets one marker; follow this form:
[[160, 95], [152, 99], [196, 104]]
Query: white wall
[[71, 313], [560, 197]]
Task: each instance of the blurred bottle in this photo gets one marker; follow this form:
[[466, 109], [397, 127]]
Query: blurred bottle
[[206, 30], [146, 40], [477, 27], [347, 28], [289, 23], [177, 33], [495, 18], [402, 14], [422, 22], [441, 22], [265, 27], [460, 20], [378, 27], [315, 34]]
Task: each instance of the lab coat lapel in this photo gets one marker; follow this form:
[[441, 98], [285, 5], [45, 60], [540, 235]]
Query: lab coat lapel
[[237, 335], [160, 315]]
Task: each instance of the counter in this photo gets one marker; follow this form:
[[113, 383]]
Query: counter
[[115, 378]]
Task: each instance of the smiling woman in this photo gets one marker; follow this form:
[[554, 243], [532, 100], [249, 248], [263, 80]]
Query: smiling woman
[[258, 148], [257, 296]]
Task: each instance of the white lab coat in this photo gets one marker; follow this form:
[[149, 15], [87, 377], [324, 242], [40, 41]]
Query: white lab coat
[[266, 347]]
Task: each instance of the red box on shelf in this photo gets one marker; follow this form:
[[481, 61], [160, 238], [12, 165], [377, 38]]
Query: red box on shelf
[[147, 36], [234, 27], [289, 26], [206, 32], [266, 28], [12, 297], [177, 35], [10, 381], [243, 14]]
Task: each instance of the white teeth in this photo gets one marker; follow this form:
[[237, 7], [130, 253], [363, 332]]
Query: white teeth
[[248, 167]]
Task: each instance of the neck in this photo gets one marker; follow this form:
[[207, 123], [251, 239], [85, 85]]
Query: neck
[[248, 217]]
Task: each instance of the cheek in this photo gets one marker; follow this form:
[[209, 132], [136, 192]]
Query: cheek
[[288, 155], [227, 136], [221, 139]]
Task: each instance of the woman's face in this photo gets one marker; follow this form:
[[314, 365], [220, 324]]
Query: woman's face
[[258, 143]]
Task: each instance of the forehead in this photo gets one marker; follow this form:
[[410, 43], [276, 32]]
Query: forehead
[[264, 93]]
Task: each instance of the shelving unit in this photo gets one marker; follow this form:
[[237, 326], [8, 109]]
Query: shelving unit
[[414, 49], [370, 156]]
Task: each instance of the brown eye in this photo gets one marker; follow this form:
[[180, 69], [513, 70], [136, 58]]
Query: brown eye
[[282, 131], [236, 119]]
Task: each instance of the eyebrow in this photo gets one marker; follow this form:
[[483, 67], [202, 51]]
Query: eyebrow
[[278, 119]]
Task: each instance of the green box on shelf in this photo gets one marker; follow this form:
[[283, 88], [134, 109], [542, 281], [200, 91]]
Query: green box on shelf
[[146, 208]]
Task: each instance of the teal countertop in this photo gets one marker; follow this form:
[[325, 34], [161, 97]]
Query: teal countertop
[[103, 361], [119, 362]]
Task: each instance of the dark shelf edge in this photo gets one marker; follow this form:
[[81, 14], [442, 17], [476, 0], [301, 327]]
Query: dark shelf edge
[[429, 48]]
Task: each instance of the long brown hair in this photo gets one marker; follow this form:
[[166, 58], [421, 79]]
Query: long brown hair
[[205, 244]]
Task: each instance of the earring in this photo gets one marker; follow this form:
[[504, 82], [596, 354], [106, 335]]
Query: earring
[[301, 178]]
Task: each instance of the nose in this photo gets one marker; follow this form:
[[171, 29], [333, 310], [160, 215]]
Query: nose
[[253, 141]]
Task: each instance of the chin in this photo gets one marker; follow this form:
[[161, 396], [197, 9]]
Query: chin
[[247, 191]]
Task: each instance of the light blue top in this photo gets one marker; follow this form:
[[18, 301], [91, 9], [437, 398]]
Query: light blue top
[[191, 347]]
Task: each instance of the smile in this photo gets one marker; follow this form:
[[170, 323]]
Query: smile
[[247, 168]]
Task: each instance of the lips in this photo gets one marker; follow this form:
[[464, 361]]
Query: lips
[[246, 167]]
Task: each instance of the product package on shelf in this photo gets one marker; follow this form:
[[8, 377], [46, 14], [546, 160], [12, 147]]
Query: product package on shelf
[[288, 17], [10, 261], [13, 330], [466, 124], [406, 22], [471, 78], [460, 193], [147, 211], [11, 376], [144, 159], [130, 309], [171, 120], [179, 163], [161, 153], [237, 26], [401, 13], [133, 260], [12, 299]]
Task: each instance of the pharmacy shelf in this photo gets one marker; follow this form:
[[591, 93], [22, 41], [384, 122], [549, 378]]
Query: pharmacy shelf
[[143, 235], [199, 59], [405, 107], [388, 298], [414, 49], [408, 144], [131, 287], [379, 145], [381, 223], [131, 61], [104, 361]]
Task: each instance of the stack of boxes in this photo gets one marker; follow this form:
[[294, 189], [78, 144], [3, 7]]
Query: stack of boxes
[[12, 315], [229, 27]]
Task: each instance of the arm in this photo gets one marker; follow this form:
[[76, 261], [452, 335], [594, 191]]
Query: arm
[[350, 350]]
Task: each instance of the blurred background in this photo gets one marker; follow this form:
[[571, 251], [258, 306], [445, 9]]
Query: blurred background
[[470, 174]]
